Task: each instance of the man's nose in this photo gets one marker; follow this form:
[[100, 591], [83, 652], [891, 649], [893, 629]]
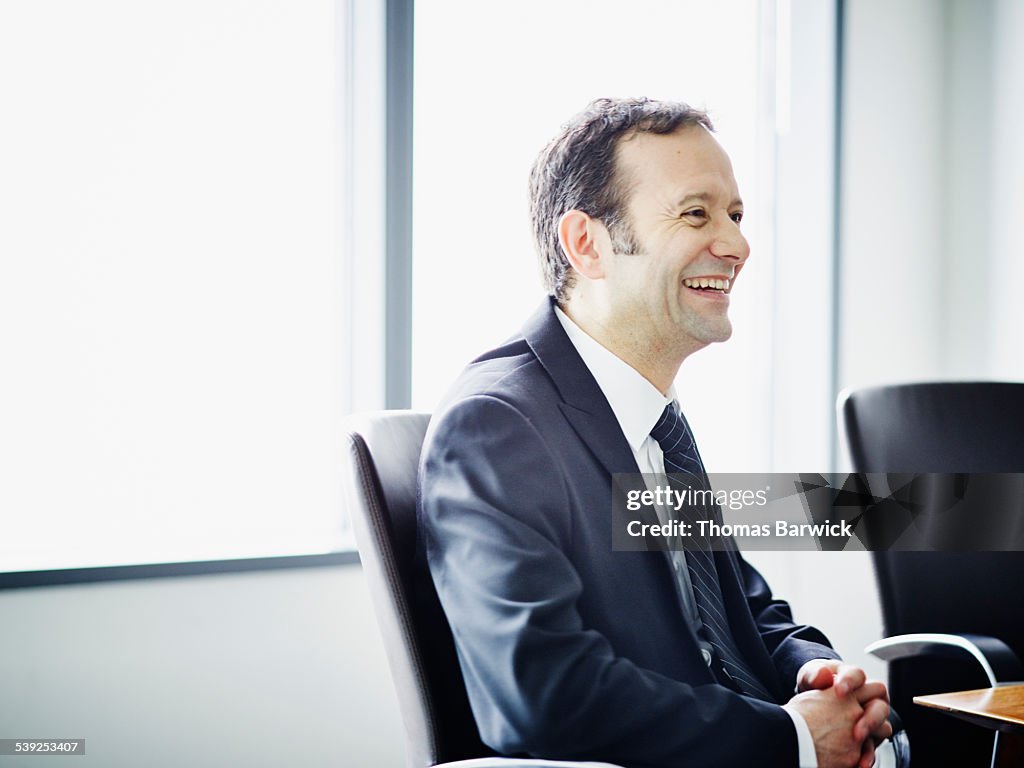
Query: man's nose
[[729, 243]]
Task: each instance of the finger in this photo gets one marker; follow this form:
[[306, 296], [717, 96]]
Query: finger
[[873, 721], [821, 678], [867, 755], [872, 690], [849, 678], [817, 674], [883, 732]]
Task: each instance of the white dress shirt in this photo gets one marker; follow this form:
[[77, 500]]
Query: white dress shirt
[[637, 405]]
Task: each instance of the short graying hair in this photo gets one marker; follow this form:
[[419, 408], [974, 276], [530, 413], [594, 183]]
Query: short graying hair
[[577, 171]]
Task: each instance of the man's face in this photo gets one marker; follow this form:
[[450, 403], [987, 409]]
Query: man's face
[[684, 209]]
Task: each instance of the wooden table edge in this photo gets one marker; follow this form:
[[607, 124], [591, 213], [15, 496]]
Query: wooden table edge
[[986, 707]]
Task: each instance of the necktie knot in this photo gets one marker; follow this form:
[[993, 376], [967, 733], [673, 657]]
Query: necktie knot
[[677, 444], [670, 428]]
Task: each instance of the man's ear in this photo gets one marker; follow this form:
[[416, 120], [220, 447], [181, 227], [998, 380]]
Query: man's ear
[[584, 241]]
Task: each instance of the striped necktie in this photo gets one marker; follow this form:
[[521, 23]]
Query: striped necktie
[[685, 469]]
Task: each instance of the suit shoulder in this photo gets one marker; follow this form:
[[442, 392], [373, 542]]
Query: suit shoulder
[[503, 399], [510, 373]]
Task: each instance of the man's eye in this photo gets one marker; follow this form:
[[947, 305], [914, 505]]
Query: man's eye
[[737, 217], [698, 212]]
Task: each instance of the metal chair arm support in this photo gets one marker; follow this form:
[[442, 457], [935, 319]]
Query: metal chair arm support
[[998, 661]]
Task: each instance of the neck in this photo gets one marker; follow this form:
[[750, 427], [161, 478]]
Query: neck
[[656, 361]]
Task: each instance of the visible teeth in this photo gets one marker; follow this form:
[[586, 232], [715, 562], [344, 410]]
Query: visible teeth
[[706, 282]]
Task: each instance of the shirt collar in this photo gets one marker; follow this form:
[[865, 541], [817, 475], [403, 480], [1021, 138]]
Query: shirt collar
[[636, 403]]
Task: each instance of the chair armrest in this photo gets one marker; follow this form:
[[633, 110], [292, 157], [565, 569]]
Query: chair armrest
[[521, 762], [995, 657]]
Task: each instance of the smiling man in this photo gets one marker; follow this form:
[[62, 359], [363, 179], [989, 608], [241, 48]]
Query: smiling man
[[569, 649]]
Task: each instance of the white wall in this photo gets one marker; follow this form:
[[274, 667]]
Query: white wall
[[1003, 265], [893, 175], [966, 216], [933, 190], [271, 668]]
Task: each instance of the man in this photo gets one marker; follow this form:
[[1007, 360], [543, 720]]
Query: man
[[569, 649]]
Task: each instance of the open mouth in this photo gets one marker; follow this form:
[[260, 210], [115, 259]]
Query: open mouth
[[708, 285]]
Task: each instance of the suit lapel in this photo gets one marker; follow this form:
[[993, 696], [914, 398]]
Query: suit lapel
[[583, 403], [585, 407]]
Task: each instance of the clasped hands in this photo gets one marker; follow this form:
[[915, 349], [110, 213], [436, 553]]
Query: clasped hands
[[846, 713]]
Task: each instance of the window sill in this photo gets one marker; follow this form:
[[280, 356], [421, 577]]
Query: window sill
[[15, 580]]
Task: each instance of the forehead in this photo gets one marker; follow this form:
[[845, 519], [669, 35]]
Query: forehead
[[688, 161]]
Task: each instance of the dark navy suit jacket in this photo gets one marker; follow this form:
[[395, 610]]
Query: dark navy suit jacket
[[571, 650]]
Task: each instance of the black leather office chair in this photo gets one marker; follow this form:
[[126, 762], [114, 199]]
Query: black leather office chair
[[972, 600], [380, 491]]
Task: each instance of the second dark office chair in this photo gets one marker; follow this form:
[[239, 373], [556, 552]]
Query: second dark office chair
[[944, 427]]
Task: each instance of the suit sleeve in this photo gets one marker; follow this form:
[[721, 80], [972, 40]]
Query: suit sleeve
[[789, 644], [494, 512]]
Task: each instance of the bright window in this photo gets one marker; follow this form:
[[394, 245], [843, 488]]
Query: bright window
[[172, 318]]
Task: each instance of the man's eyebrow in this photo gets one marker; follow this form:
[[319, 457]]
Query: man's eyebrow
[[704, 197]]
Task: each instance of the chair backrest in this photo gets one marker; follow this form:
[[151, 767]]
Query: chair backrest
[[942, 427], [383, 451], [937, 427]]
